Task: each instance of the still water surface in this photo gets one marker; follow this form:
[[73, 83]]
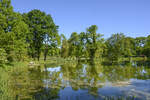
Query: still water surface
[[83, 81]]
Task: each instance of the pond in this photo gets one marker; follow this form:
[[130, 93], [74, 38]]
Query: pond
[[82, 81]]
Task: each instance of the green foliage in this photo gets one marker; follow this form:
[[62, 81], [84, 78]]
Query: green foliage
[[43, 33], [34, 33], [119, 46], [12, 32], [139, 45], [65, 47], [94, 42], [115, 46], [3, 56], [73, 44], [89, 44], [146, 50], [128, 47]]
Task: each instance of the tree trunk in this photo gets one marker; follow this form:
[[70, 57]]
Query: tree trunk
[[38, 54], [45, 54]]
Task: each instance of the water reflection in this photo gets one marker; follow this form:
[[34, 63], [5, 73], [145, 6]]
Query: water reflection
[[82, 81]]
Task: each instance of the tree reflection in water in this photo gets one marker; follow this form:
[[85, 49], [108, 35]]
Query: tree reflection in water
[[78, 80]]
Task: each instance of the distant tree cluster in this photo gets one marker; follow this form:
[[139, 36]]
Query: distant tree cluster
[[86, 44], [32, 34]]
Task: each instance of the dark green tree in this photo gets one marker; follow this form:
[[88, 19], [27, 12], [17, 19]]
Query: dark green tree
[[94, 42], [12, 32], [43, 32], [115, 47], [139, 45], [81, 48]]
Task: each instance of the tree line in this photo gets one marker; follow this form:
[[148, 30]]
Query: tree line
[[34, 34]]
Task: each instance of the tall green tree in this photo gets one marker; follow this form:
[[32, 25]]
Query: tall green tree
[[77, 46], [128, 46], [94, 42], [73, 44], [52, 40], [115, 46], [12, 32], [64, 47], [43, 32], [139, 45], [81, 48]]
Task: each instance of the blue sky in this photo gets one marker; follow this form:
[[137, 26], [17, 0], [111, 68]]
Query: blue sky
[[131, 17]]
